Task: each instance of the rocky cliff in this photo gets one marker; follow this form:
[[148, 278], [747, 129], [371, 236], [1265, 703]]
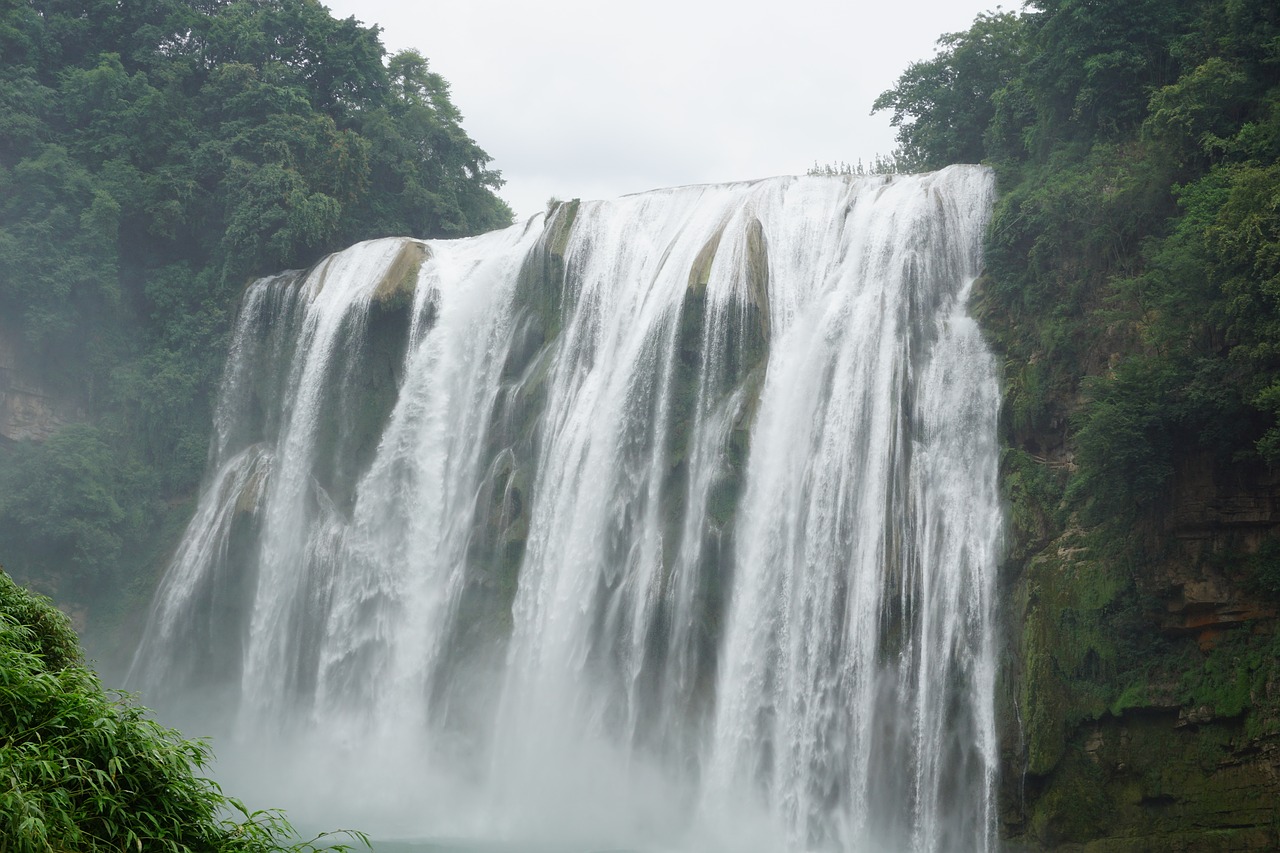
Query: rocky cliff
[[28, 411], [1141, 684]]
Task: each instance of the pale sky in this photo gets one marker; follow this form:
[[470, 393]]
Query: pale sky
[[580, 99]]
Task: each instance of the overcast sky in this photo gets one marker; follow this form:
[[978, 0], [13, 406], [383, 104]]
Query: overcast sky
[[580, 99]]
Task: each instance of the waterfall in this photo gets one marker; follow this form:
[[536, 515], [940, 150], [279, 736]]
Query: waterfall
[[670, 521]]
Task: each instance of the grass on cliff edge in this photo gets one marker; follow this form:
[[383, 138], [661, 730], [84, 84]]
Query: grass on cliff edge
[[84, 770]]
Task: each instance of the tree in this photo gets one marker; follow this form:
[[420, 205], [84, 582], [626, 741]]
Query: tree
[[942, 107], [154, 156], [428, 176]]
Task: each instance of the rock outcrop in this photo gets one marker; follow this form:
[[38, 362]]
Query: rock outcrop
[[1142, 691], [28, 411]]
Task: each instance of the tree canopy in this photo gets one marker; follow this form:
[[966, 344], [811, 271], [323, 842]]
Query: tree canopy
[[1134, 256], [154, 156]]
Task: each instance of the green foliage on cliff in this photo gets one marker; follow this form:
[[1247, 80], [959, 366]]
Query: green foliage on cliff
[[154, 156], [1135, 249], [82, 770], [943, 106], [72, 499], [1133, 288]]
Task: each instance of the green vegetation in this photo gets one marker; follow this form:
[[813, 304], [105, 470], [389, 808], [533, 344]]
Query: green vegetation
[[82, 770], [1134, 256], [1133, 290], [154, 157], [881, 164]]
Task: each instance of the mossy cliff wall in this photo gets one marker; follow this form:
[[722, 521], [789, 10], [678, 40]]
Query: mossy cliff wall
[[1140, 690]]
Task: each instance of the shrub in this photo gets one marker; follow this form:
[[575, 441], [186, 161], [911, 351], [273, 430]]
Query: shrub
[[85, 770]]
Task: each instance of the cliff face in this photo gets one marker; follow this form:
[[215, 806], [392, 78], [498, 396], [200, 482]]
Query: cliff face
[[1141, 698], [28, 411], [1216, 519]]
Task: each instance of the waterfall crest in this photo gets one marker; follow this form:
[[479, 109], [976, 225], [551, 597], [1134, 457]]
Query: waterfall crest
[[667, 521]]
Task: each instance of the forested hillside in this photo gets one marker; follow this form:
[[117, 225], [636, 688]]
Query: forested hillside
[[154, 157], [1133, 287]]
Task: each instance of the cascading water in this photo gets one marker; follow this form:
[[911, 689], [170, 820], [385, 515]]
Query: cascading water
[[670, 521]]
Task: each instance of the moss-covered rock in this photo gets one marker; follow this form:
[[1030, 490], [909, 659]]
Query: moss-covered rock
[[1127, 725], [395, 291], [1143, 780], [365, 384], [540, 287], [481, 621]]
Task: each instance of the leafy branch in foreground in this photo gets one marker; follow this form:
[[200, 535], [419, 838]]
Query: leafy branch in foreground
[[85, 770]]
